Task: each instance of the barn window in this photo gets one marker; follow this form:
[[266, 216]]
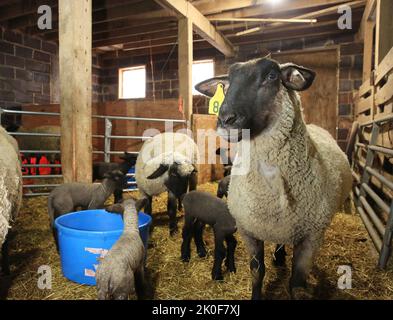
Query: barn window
[[132, 82], [201, 70]]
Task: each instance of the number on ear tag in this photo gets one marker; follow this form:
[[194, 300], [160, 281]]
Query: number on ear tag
[[217, 100]]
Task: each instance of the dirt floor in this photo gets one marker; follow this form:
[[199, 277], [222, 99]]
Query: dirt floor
[[346, 243]]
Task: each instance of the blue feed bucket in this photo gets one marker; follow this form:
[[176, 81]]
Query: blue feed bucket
[[85, 236]]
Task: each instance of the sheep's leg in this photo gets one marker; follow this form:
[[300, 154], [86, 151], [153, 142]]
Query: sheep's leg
[[187, 236], [118, 195], [219, 255], [5, 262], [199, 226], [231, 246], [193, 181], [279, 255], [257, 265], [148, 206], [140, 282], [179, 204], [303, 254], [172, 208]]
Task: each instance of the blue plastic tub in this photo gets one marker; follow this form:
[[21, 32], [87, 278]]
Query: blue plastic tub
[[85, 236]]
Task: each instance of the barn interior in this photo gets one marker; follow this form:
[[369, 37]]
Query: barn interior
[[82, 81]]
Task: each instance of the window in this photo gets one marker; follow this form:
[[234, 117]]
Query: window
[[201, 70], [132, 82]]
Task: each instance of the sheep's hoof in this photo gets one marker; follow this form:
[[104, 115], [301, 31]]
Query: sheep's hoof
[[232, 269], [202, 253], [173, 231], [217, 276], [185, 258], [300, 293]]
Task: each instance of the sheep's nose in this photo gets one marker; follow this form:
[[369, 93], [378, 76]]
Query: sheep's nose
[[229, 119]]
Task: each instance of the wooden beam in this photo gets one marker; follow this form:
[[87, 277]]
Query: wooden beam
[[368, 19], [185, 59], [384, 30], [202, 25], [75, 34], [269, 8], [22, 8]]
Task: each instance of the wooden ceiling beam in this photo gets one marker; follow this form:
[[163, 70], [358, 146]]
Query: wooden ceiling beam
[[202, 25], [269, 7], [314, 14], [23, 8]]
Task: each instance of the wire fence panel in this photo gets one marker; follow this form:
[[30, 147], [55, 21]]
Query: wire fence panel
[[32, 183]]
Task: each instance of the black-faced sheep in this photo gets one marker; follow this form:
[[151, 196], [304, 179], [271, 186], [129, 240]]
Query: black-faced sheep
[[121, 272], [202, 208], [167, 162], [69, 197], [297, 176], [10, 191], [101, 168]]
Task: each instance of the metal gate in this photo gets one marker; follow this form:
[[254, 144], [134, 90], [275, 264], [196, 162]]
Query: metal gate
[[107, 152], [380, 232]]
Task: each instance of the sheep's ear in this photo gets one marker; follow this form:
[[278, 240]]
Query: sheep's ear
[[295, 77], [159, 172], [208, 87]]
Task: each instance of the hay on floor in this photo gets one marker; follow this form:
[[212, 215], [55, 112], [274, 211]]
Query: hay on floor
[[346, 243]]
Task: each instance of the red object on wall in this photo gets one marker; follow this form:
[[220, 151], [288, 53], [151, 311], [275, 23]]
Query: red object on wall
[[44, 170], [33, 170], [25, 171], [57, 170]]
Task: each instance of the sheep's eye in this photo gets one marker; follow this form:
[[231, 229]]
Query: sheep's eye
[[272, 76]]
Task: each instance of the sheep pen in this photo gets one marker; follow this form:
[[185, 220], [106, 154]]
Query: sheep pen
[[346, 243]]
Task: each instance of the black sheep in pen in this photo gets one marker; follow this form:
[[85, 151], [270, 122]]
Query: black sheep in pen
[[202, 208]]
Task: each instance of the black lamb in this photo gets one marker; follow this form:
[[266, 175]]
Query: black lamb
[[202, 208], [101, 168]]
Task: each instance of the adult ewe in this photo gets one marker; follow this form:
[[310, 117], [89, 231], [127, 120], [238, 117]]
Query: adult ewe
[[10, 191], [167, 162], [297, 176]]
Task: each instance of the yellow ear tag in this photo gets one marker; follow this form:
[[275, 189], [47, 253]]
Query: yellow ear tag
[[217, 100]]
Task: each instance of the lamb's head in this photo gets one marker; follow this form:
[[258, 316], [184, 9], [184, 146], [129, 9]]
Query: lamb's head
[[178, 176], [252, 91], [129, 158], [117, 177]]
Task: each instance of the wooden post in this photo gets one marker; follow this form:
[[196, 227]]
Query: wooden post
[[185, 66], [384, 29], [75, 46]]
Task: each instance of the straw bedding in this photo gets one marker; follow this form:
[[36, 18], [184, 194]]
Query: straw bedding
[[346, 243]]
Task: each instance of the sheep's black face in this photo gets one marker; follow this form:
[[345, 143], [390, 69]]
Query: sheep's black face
[[250, 96], [249, 100]]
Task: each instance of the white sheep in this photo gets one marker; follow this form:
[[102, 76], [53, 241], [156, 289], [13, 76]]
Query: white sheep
[[298, 177], [167, 162], [10, 190], [121, 272]]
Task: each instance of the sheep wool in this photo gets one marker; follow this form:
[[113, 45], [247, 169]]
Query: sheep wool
[[160, 150], [10, 182], [298, 178]]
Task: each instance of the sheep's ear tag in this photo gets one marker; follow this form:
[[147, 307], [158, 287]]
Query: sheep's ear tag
[[217, 100]]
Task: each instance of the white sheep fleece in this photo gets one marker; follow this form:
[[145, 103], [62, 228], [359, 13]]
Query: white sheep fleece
[[298, 179], [165, 148], [10, 182]]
